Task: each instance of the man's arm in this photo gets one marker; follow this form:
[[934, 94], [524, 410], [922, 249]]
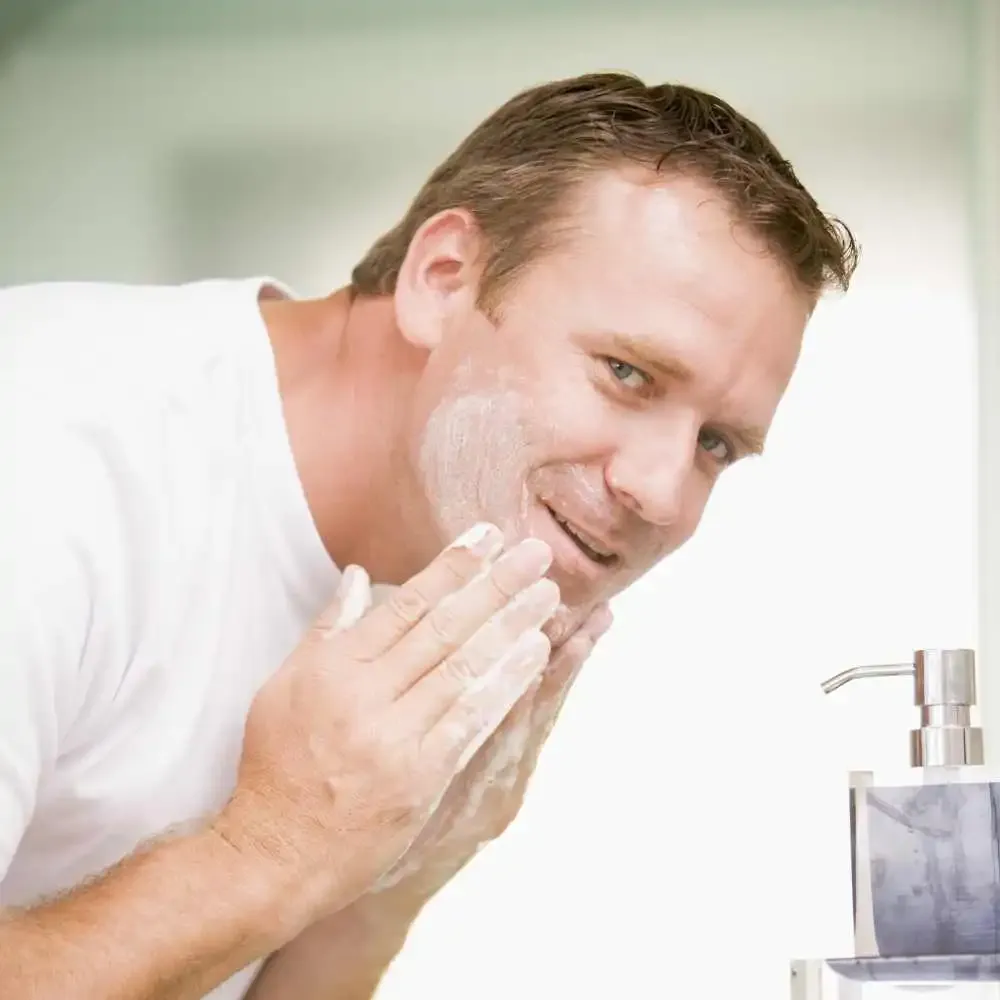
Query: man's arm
[[327, 798], [177, 917], [342, 957], [168, 923], [345, 956]]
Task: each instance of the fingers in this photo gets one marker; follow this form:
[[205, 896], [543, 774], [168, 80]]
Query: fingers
[[390, 621], [352, 600], [566, 662], [565, 667], [487, 616], [512, 633], [476, 709], [600, 621]]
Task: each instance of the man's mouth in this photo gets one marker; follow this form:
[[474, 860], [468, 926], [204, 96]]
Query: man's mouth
[[588, 545]]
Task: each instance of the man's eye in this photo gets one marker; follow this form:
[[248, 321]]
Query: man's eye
[[628, 375], [717, 446]]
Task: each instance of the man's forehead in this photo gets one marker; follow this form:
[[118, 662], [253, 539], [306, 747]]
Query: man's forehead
[[643, 234], [651, 204]]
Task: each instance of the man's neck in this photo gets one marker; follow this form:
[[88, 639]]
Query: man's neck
[[346, 378]]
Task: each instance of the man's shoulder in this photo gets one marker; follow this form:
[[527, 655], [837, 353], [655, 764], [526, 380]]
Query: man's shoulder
[[99, 378], [49, 297], [114, 412], [99, 309], [104, 341]]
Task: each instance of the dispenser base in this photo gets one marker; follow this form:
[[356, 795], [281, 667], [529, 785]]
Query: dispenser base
[[964, 977]]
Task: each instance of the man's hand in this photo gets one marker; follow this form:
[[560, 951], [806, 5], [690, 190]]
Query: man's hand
[[346, 954], [348, 748], [352, 744], [485, 798]]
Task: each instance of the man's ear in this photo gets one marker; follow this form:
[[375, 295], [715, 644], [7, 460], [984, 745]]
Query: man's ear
[[439, 277]]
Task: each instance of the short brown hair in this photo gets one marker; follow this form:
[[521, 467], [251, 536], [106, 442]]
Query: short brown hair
[[513, 173]]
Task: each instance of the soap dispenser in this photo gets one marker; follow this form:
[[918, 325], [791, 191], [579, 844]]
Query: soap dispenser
[[925, 847]]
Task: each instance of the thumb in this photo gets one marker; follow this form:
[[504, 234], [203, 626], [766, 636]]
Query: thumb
[[352, 599]]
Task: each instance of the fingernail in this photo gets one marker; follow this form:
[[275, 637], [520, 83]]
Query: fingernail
[[355, 596], [543, 597], [483, 539], [532, 645]]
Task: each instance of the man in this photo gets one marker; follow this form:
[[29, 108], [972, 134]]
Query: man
[[213, 750]]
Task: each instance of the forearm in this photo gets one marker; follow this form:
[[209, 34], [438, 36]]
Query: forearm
[[169, 923], [343, 957]]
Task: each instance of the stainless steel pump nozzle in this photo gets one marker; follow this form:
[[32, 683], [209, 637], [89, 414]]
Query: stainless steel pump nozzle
[[857, 673], [944, 688]]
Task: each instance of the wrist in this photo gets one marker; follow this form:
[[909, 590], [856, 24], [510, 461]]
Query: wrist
[[281, 890]]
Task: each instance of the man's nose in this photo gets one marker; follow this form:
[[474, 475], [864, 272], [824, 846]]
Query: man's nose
[[650, 475]]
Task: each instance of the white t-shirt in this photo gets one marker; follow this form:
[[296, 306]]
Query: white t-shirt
[[158, 563]]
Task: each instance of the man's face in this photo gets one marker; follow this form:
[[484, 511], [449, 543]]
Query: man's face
[[625, 372]]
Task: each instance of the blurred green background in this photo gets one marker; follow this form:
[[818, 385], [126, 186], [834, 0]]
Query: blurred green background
[[148, 140]]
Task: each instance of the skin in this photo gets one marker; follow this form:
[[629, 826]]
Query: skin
[[349, 748], [622, 375], [707, 327]]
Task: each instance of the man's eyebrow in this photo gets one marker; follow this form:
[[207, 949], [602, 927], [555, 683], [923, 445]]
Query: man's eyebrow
[[750, 439], [645, 349]]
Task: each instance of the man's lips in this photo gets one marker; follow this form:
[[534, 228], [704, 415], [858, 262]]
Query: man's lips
[[591, 545]]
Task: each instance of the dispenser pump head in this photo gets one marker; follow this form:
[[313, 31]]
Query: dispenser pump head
[[944, 688]]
